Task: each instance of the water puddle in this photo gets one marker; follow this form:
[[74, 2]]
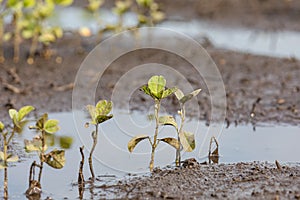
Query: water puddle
[[280, 43], [113, 162]]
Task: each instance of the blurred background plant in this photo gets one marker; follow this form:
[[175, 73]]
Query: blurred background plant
[[29, 20]]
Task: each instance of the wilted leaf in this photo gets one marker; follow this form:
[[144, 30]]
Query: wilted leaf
[[56, 159], [12, 113], [103, 118], [92, 111], [1, 155], [187, 141], [104, 107], [168, 92], [167, 120], [213, 155], [2, 165], [171, 141], [1, 126], [179, 94], [24, 111], [12, 158], [157, 85], [65, 142], [188, 97], [34, 145], [135, 140], [41, 121], [51, 126]]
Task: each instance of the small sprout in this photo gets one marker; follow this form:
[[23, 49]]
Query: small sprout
[[18, 121], [213, 155], [98, 114], [56, 158], [156, 88]]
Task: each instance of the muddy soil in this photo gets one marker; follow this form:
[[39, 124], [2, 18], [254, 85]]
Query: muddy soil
[[224, 181], [268, 89]]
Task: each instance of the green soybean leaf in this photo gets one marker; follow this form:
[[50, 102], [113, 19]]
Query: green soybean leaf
[[12, 158], [168, 92], [65, 142], [103, 118], [24, 111], [56, 159], [1, 155], [171, 141], [28, 3], [92, 111], [1, 126], [157, 85], [135, 140], [146, 90], [167, 120], [104, 107], [189, 96], [187, 140], [51, 126], [63, 2]]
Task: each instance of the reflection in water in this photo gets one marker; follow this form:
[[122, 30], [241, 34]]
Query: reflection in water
[[236, 144]]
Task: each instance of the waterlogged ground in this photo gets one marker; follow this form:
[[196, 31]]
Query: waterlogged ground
[[254, 45], [127, 175]]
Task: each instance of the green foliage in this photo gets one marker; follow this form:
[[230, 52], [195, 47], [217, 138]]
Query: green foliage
[[156, 88], [46, 125], [100, 112]]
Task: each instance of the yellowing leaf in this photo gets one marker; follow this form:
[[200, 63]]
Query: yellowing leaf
[[12, 158], [171, 141], [12, 113], [168, 92], [104, 107], [24, 111], [188, 97], [65, 142], [1, 126], [1, 155], [56, 159], [51, 126], [187, 140], [179, 94], [167, 120], [34, 145], [135, 140], [92, 111]]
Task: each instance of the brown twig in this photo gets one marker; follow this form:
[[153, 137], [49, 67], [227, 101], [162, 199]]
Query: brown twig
[[63, 88], [80, 174]]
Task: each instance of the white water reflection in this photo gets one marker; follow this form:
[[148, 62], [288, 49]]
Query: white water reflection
[[237, 144], [280, 43]]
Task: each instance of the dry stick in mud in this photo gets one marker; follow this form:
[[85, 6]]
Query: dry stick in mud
[[98, 115], [80, 174]]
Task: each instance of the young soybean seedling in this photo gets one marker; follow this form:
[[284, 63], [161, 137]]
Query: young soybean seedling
[[98, 115], [55, 158], [156, 89], [18, 119]]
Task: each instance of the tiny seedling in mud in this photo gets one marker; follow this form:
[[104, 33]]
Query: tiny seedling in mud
[[157, 90], [55, 158], [98, 115], [7, 133]]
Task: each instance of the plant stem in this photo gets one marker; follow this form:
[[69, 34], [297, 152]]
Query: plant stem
[[182, 116], [17, 38], [5, 169], [94, 136], [2, 58], [154, 144], [42, 155], [33, 47]]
